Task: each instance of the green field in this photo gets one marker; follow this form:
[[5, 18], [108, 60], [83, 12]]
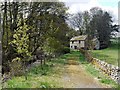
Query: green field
[[110, 54]]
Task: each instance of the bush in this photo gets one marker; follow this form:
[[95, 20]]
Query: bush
[[16, 67], [66, 50]]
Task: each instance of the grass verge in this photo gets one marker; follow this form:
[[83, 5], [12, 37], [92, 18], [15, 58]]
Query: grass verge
[[48, 77], [109, 55], [100, 76], [104, 79]]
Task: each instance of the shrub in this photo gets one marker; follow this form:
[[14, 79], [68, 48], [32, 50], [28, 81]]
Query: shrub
[[16, 67], [66, 50]]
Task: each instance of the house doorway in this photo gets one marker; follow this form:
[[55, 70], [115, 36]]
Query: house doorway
[[75, 47]]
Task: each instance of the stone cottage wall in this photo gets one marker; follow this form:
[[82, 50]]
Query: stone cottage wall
[[111, 70]]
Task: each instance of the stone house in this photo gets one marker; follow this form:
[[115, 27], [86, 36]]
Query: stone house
[[78, 42]]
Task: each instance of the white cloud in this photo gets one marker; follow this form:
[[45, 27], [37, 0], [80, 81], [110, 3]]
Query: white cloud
[[76, 7]]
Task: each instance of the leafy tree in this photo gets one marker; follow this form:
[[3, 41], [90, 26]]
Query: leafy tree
[[20, 41], [27, 27], [101, 24]]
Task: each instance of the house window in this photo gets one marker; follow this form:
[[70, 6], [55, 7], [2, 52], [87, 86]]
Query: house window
[[75, 47], [79, 41], [71, 46], [72, 42]]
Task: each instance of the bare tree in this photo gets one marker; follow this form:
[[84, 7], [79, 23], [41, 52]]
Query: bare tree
[[76, 22]]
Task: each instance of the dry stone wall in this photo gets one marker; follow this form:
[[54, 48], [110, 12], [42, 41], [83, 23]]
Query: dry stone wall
[[111, 70]]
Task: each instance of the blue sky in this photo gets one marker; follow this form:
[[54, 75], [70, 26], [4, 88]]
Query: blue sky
[[81, 5], [112, 3]]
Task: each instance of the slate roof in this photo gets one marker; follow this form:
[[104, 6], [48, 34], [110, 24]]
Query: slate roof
[[81, 37]]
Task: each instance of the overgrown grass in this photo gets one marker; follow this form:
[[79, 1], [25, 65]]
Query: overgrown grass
[[94, 72], [76, 55], [91, 69], [38, 70], [48, 77], [100, 76], [109, 54], [31, 82]]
